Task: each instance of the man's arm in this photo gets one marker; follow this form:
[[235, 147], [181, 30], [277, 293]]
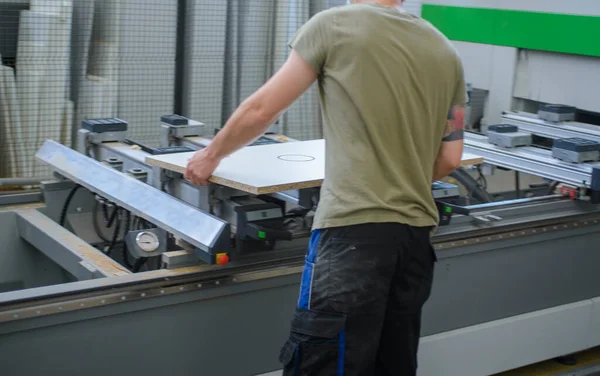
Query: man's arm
[[450, 154], [307, 59], [258, 112], [253, 117]]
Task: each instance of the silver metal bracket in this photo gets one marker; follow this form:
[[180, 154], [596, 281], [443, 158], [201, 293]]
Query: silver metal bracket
[[56, 185], [86, 139], [138, 174], [98, 138], [486, 218], [113, 162], [179, 259], [171, 132]]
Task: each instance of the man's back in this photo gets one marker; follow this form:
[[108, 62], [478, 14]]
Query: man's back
[[387, 81]]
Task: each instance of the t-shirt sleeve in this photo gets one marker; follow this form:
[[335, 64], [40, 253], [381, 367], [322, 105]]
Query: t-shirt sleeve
[[312, 41], [460, 94]]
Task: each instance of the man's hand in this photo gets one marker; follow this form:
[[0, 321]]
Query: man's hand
[[201, 167]]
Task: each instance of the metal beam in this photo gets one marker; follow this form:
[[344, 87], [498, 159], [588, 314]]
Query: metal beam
[[531, 123], [20, 198], [63, 247], [531, 160], [202, 230]]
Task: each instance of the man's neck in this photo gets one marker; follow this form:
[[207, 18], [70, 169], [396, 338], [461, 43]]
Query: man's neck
[[389, 3]]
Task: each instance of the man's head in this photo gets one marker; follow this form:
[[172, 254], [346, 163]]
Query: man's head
[[382, 2]]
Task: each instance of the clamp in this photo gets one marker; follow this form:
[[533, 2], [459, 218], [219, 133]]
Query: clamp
[[260, 226], [446, 211]]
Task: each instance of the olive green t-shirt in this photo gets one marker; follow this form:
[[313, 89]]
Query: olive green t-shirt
[[387, 80]]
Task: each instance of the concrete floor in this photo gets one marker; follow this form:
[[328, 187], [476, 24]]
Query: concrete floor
[[588, 364], [522, 372]]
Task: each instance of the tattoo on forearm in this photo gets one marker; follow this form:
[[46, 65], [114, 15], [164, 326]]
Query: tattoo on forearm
[[455, 124]]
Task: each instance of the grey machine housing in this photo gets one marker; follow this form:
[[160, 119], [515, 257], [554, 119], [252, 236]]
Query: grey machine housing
[[511, 274], [508, 136], [556, 113], [576, 150]]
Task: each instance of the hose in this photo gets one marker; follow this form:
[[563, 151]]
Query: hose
[[97, 225], [552, 187], [115, 217], [471, 185], [63, 214], [125, 252], [138, 264]]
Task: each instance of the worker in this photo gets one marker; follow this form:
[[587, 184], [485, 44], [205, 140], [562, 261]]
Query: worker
[[392, 96]]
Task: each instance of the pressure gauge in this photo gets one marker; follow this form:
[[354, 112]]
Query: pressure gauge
[[147, 241]]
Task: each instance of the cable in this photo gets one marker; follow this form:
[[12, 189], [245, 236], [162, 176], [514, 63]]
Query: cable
[[63, 214], [113, 242], [97, 225], [125, 251], [138, 264], [113, 216], [552, 187], [105, 212], [482, 178], [109, 222], [471, 184]]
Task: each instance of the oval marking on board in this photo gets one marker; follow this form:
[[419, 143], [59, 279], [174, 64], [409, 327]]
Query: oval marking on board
[[296, 158]]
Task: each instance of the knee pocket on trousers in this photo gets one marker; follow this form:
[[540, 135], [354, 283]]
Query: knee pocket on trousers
[[316, 344]]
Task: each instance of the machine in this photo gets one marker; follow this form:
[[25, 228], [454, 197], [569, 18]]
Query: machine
[[118, 266]]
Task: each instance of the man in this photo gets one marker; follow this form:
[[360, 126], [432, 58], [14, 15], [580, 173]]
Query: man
[[392, 96]]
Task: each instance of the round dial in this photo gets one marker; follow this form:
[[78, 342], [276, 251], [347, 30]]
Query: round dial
[[147, 241]]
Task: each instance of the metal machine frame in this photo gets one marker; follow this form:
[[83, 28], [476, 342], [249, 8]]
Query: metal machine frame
[[511, 275]]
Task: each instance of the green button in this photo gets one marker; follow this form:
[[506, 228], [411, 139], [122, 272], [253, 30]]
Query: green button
[[448, 209], [262, 234]]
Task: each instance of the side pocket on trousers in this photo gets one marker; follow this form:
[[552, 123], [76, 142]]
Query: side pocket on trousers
[[433, 254], [316, 345]]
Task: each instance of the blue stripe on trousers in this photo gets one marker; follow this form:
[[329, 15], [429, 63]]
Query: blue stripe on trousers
[[342, 352], [307, 274]]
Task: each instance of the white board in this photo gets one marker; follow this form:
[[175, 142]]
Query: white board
[[262, 169], [268, 168]]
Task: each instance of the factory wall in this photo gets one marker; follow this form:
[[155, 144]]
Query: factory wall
[[124, 61], [578, 7], [232, 48], [62, 61], [525, 50]]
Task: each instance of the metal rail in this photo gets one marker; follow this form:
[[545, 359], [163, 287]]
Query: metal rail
[[52, 300], [531, 160], [510, 203], [531, 123], [13, 182]]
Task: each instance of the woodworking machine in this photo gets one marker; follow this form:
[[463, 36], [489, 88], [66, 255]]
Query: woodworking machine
[[128, 268]]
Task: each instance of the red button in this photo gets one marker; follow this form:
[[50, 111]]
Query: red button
[[222, 259]]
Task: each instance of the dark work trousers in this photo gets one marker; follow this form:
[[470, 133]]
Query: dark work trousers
[[361, 297]]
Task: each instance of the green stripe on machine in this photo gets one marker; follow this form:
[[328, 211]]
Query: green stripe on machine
[[564, 33]]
